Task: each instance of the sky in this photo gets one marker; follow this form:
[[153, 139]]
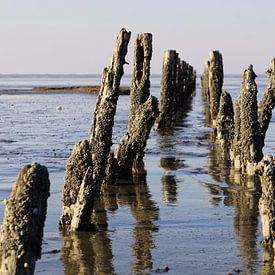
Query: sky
[[78, 36]]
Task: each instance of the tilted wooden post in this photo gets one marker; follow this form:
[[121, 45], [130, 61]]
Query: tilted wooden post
[[103, 121], [86, 167], [267, 102], [22, 228], [143, 112], [76, 168]]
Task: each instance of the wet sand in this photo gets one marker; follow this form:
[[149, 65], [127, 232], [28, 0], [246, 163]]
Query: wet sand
[[189, 212]]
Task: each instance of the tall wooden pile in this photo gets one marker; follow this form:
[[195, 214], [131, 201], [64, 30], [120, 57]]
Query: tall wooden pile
[[143, 112], [86, 166], [177, 84]]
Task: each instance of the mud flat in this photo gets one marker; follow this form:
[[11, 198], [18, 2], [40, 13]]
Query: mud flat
[[83, 89], [187, 214]]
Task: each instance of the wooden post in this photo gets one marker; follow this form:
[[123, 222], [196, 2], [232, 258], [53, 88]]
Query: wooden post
[[86, 167], [143, 112], [225, 122], [103, 121], [268, 102], [165, 119], [22, 228], [251, 149], [215, 82], [266, 170], [205, 82], [177, 84], [76, 167], [212, 82]]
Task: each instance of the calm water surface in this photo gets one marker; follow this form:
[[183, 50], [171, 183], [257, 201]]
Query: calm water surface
[[189, 212]]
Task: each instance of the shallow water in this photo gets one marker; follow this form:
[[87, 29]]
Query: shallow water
[[189, 212]]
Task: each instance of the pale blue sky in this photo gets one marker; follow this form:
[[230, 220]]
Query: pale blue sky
[[77, 36]]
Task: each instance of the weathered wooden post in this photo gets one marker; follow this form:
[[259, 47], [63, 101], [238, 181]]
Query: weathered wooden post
[[205, 82], [247, 141], [266, 170], [212, 82], [215, 82], [235, 152], [86, 167], [103, 121], [76, 167], [177, 84], [225, 122], [190, 82], [167, 97], [267, 102], [22, 228], [143, 112]]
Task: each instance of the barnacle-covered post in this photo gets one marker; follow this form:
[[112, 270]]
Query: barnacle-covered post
[[103, 121], [22, 228], [87, 164], [168, 90], [212, 82], [266, 170], [143, 112], [247, 142], [267, 102], [177, 84], [225, 122]]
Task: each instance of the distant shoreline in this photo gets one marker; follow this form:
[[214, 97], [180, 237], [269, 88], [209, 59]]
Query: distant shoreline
[[91, 89]]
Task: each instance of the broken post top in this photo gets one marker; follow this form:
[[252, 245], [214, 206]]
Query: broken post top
[[118, 59], [170, 55], [215, 64], [31, 177], [248, 83], [226, 105], [141, 75], [214, 55], [144, 40], [270, 72]]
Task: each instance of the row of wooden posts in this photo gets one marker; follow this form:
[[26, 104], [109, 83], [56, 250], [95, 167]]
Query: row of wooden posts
[[240, 131], [92, 165]]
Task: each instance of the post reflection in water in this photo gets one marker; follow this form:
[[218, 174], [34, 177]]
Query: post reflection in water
[[87, 253], [169, 183], [243, 194], [91, 253], [137, 196]]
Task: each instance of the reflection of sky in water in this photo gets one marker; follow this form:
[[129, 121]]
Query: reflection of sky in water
[[191, 215]]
